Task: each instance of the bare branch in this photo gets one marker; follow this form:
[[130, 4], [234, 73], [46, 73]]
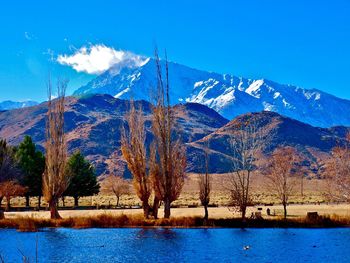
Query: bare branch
[[55, 179]]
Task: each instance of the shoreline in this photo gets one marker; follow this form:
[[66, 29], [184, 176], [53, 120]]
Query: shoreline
[[30, 224], [294, 211], [328, 216]]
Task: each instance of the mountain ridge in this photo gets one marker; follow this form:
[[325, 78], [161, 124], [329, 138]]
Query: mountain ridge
[[227, 94], [10, 105]]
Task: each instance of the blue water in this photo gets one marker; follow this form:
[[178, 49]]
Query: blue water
[[178, 245]]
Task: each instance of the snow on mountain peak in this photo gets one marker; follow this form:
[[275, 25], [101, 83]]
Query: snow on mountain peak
[[130, 62], [121, 93], [254, 88], [312, 95], [276, 95]]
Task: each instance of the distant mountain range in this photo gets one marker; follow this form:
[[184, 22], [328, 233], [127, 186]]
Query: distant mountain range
[[10, 105], [93, 125], [229, 95]]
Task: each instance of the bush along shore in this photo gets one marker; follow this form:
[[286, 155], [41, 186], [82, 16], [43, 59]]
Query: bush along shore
[[109, 221]]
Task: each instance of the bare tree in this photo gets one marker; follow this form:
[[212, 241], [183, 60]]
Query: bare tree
[[168, 153], [338, 172], [205, 186], [118, 185], [135, 154], [55, 179], [9, 189], [283, 164], [247, 142]]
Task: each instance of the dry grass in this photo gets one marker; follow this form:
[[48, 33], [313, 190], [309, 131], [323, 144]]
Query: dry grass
[[108, 221], [101, 221]]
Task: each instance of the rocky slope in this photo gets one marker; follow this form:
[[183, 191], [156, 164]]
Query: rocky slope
[[93, 126], [312, 143]]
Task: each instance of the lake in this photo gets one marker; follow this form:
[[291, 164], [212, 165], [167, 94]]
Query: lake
[[178, 245]]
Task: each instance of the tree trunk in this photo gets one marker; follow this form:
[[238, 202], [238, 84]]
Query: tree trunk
[[146, 209], [53, 210], [302, 186], [167, 205], [117, 201], [285, 210], [155, 207], [1, 197], [76, 201], [27, 201], [206, 214], [244, 211], [8, 203], [63, 201], [39, 202]]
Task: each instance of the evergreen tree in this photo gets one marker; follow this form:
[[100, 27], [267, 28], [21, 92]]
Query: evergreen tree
[[8, 166], [83, 180], [32, 163]]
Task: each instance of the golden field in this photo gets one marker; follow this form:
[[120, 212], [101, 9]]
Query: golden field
[[313, 192], [188, 203]]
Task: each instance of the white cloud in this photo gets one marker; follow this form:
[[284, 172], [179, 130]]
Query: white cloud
[[96, 59]]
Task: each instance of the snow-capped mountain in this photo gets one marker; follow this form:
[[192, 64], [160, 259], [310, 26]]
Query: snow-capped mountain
[[10, 105], [225, 93]]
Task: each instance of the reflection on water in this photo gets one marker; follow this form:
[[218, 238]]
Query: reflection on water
[[178, 245], [157, 233]]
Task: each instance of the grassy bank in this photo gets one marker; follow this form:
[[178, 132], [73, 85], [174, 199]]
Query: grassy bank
[[109, 221]]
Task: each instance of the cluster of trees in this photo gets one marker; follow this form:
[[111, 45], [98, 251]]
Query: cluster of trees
[[8, 170], [160, 170], [22, 169], [280, 170]]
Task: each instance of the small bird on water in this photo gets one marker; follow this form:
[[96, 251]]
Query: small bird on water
[[246, 247]]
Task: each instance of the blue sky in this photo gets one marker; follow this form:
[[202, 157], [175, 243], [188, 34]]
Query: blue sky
[[306, 43]]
